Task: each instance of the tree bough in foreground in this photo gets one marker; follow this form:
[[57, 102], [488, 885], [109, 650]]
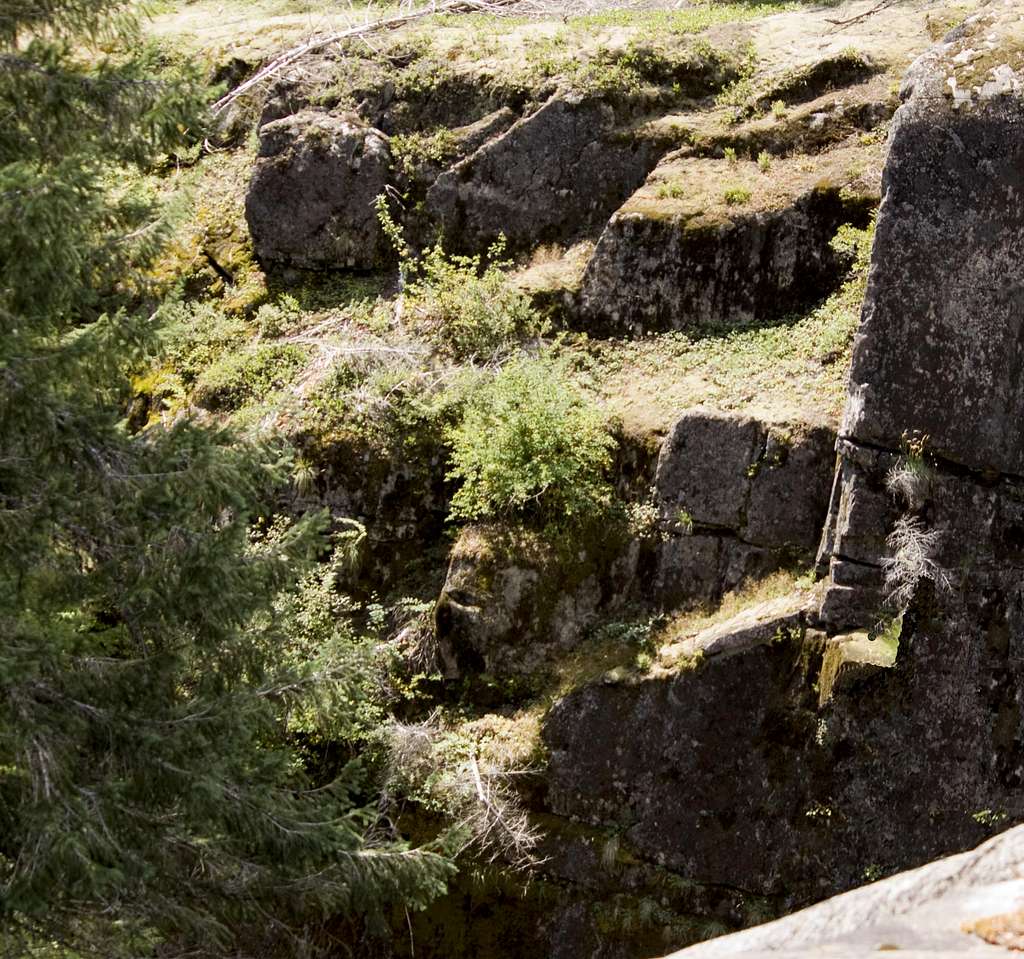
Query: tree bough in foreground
[[150, 802]]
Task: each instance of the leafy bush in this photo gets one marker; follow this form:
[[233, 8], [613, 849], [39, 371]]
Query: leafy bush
[[198, 334], [531, 446], [472, 311], [466, 304], [238, 378]]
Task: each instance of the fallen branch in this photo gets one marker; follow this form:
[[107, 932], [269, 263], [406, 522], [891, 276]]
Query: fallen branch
[[882, 5], [314, 44]]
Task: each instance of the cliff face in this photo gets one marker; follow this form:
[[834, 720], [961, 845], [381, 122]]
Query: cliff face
[[802, 762], [719, 730]]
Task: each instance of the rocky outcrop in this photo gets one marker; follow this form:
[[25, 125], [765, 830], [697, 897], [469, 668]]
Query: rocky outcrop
[[555, 174], [942, 328], [735, 499], [939, 356], [714, 244], [767, 482], [969, 903], [311, 200], [512, 599], [835, 761]]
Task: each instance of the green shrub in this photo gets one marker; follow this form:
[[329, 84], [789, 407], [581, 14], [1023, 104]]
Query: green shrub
[[531, 446], [199, 334], [736, 196], [277, 319], [239, 378], [465, 304], [470, 311]]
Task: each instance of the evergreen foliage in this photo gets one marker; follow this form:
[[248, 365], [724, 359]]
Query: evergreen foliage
[[151, 801]]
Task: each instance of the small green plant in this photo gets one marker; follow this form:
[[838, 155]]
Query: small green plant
[[779, 109], [989, 817], [855, 244], [671, 191], [730, 155], [764, 161], [412, 150], [466, 304], [736, 196], [684, 520], [642, 520], [278, 318], [532, 447], [472, 311]]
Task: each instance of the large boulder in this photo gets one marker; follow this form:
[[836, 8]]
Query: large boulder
[[766, 482], [311, 199], [555, 174]]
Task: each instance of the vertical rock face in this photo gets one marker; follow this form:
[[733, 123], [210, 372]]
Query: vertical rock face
[[940, 352], [311, 200], [787, 762], [941, 348]]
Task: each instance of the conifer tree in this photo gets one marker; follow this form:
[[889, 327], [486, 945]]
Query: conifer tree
[[149, 801]]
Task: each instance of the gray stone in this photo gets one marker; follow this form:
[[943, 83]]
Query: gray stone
[[753, 627], [930, 911], [941, 347], [769, 484], [311, 200], [553, 175], [789, 491], [705, 467]]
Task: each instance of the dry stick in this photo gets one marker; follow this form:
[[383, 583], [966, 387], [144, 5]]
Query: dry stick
[[318, 43], [862, 16]]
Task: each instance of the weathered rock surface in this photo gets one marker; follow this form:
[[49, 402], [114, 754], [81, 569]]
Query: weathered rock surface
[[512, 599], [767, 482], [555, 174], [797, 762], [941, 349], [311, 200], [939, 352], [732, 770], [711, 244], [944, 908], [736, 499]]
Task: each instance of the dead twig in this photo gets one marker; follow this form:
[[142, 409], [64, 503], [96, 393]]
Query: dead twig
[[877, 8]]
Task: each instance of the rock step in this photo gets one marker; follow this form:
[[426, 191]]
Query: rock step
[[736, 499], [715, 244]]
